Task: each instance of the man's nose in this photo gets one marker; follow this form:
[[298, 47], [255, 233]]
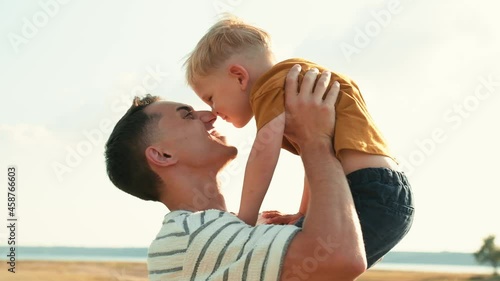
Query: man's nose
[[208, 118]]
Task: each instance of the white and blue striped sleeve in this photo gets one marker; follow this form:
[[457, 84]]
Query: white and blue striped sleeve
[[216, 245]]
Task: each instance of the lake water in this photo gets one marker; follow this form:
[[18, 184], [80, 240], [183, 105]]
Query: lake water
[[479, 269], [403, 261], [78, 254]]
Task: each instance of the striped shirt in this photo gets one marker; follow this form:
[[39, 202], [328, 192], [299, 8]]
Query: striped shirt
[[216, 245]]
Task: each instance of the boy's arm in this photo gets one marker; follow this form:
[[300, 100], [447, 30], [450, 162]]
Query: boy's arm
[[260, 168]]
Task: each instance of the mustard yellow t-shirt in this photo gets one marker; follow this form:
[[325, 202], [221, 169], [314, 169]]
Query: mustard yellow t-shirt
[[354, 127]]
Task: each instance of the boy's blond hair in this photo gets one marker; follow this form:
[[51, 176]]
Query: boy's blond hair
[[227, 37]]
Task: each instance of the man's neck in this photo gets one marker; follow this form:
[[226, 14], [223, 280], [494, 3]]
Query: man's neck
[[198, 191]]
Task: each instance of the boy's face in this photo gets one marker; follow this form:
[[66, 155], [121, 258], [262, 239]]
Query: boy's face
[[224, 94]]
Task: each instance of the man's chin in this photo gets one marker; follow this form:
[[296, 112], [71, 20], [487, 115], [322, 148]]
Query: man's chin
[[219, 139], [234, 152]]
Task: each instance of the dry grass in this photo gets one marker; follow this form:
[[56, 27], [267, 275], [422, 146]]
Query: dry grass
[[75, 271], [128, 271]]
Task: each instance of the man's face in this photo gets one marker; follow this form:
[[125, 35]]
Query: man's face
[[223, 94], [189, 135]]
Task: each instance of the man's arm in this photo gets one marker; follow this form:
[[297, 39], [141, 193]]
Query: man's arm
[[331, 234], [304, 203], [260, 168]]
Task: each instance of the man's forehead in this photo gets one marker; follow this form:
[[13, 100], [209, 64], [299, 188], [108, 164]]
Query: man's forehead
[[167, 107]]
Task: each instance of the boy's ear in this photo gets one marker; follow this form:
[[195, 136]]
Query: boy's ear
[[158, 157], [239, 72]]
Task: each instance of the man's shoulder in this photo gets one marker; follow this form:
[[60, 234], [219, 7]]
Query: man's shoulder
[[179, 223], [190, 221], [179, 228], [213, 244]]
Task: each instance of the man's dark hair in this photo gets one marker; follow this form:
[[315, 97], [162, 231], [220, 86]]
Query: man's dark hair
[[126, 163]]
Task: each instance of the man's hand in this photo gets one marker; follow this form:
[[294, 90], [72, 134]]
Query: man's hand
[[308, 115]]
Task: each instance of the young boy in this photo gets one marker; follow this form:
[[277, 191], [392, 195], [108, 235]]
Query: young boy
[[233, 70]]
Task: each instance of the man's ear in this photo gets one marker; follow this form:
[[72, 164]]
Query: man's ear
[[159, 157], [239, 72]]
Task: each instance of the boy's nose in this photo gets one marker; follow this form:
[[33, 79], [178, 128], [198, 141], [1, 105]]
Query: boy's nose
[[208, 118], [214, 111]]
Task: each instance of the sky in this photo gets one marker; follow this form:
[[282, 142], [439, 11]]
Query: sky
[[429, 72]]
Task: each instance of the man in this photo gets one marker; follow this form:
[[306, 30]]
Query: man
[[167, 152]]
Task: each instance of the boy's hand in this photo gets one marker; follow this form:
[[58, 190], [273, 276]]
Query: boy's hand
[[276, 217], [309, 117]]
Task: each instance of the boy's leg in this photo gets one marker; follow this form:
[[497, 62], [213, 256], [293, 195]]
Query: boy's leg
[[384, 204]]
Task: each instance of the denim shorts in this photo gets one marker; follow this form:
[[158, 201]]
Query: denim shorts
[[384, 203]]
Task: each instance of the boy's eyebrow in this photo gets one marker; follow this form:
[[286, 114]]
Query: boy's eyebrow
[[184, 107]]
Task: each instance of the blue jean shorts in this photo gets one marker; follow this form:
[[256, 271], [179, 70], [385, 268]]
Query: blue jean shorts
[[384, 203]]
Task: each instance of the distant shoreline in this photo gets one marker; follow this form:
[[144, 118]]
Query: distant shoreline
[[459, 269], [393, 261]]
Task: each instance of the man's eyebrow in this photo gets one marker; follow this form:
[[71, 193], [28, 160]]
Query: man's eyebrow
[[184, 107]]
